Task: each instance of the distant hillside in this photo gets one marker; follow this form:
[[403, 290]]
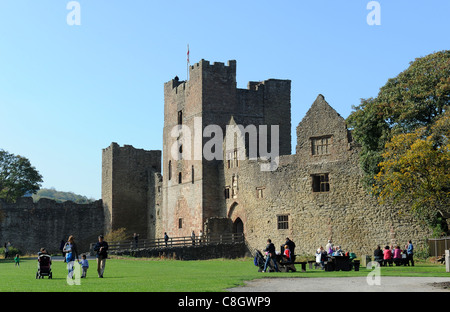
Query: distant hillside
[[61, 196]]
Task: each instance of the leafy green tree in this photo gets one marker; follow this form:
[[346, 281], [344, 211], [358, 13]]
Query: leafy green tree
[[17, 177], [416, 98], [404, 135], [61, 197], [416, 169]]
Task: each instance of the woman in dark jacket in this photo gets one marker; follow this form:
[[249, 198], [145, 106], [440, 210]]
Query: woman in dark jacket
[[378, 255]]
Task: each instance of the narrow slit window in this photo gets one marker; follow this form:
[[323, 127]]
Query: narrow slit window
[[180, 117]]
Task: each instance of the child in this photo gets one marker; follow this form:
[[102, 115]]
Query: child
[[17, 260], [84, 265]]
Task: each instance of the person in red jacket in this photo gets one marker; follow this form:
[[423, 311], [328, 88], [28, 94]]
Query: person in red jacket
[[387, 256], [397, 255]]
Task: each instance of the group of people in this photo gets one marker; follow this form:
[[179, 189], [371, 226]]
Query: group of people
[[388, 256], [395, 254], [288, 255], [330, 250], [70, 253]]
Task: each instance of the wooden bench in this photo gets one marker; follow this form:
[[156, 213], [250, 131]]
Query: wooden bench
[[289, 266]]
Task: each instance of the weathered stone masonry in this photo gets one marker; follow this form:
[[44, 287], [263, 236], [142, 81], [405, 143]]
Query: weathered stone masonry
[[30, 226], [314, 195]]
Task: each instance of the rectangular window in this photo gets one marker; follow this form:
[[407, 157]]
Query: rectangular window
[[260, 192], [227, 192], [180, 223], [320, 183], [283, 222], [180, 117], [321, 146], [235, 158]]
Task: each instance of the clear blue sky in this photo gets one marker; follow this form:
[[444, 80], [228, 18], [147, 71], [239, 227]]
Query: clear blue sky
[[67, 92]]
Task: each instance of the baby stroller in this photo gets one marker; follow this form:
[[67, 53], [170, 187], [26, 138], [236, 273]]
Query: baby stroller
[[44, 266], [259, 261]]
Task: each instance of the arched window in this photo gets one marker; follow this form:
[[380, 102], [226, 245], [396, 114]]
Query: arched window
[[238, 226]]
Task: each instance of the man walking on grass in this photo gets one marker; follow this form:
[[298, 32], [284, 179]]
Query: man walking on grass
[[102, 253]]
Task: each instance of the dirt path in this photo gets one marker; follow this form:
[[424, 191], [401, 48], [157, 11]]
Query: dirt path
[[347, 284]]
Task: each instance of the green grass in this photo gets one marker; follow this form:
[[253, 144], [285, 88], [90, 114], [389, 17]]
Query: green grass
[[139, 275]]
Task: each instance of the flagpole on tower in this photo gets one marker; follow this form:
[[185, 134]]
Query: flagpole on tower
[[187, 70]]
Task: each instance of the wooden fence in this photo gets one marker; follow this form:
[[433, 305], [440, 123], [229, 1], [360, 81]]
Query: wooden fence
[[233, 238], [438, 246]]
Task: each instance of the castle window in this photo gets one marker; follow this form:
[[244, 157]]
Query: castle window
[[180, 223], [180, 117], [321, 145], [227, 192], [170, 169], [320, 183], [283, 222], [260, 192], [234, 186], [192, 174], [235, 158], [180, 179]]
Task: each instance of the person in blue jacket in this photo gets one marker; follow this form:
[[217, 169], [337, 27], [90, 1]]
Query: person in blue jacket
[[410, 253]]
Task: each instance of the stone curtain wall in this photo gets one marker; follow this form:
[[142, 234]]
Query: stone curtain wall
[[345, 213], [127, 183], [30, 226], [205, 252]]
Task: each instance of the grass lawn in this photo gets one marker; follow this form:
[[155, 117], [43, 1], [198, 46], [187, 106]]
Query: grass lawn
[[150, 275]]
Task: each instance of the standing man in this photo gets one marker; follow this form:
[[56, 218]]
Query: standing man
[[166, 238], [136, 238], [193, 238], [102, 253], [270, 249], [291, 245]]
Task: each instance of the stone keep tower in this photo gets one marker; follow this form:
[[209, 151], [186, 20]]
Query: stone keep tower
[[192, 190], [130, 189]]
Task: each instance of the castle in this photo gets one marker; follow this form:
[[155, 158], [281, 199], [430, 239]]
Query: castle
[[311, 196], [219, 181]]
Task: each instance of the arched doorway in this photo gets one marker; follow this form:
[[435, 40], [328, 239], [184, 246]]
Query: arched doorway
[[238, 226]]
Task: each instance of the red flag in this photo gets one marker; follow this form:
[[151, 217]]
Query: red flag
[[188, 54]]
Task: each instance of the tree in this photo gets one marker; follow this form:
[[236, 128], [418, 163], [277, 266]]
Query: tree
[[416, 98], [403, 134], [17, 177], [416, 169]]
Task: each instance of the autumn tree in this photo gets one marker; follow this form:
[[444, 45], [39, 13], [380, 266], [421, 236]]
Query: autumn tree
[[17, 177], [416, 98], [416, 170], [401, 133]]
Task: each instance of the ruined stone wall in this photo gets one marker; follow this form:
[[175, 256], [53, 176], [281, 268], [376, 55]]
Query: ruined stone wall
[[30, 226], [344, 213], [125, 178], [211, 95], [182, 183]]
